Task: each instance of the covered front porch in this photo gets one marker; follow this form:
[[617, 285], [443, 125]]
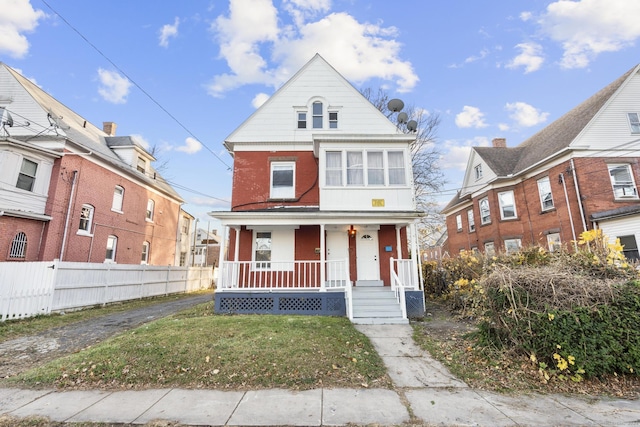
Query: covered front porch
[[320, 263]]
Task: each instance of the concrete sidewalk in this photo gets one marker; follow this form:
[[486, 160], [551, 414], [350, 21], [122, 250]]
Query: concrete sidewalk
[[425, 393]]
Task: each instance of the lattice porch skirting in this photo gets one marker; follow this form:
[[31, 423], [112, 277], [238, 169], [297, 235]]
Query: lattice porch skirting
[[320, 303]]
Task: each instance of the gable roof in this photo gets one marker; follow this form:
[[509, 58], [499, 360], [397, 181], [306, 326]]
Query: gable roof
[[275, 120], [50, 119], [552, 139]]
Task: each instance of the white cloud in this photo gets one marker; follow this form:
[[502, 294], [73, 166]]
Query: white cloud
[[526, 16], [114, 88], [525, 115], [141, 140], [503, 127], [530, 57], [191, 146], [169, 31], [259, 99], [457, 155], [470, 117], [587, 28], [371, 51], [17, 17]]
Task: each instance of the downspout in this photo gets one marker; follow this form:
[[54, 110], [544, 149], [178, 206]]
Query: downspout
[[566, 197], [575, 183], [66, 222]]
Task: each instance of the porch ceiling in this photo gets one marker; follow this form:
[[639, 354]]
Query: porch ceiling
[[316, 217]]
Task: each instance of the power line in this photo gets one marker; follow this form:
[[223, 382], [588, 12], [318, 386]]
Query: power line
[[136, 85]]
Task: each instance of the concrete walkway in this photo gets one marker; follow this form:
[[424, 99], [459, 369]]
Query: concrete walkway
[[426, 393]]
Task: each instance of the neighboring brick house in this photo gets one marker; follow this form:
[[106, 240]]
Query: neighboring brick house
[[322, 199], [73, 192], [578, 173]]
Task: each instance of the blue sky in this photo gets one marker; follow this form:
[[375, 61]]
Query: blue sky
[[182, 76]]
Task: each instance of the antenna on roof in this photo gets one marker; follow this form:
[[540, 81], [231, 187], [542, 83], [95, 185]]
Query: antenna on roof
[[6, 119], [396, 106]]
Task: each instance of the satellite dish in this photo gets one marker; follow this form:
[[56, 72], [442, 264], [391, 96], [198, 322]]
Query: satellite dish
[[395, 105], [9, 121], [412, 125], [403, 117]]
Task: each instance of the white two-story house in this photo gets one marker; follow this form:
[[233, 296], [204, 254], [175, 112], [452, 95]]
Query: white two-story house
[[322, 207]]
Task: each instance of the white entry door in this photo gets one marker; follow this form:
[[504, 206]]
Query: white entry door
[[337, 250], [368, 258]]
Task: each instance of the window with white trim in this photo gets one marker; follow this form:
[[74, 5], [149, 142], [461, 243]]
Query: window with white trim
[[144, 259], [142, 165], [485, 212], [622, 181], [478, 171], [283, 180], [472, 221], [355, 168], [18, 247], [118, 197], [262, 254], [375, 168], [396, 168], [553, 242], [459, 222], [489, 248], [512, 245], [150, 208], [507, 204], [333, 120], [634, 122], [333, 168], [112, 243], [302, 119], [86, 219], [27, 175], [544, 191], [317, 115]]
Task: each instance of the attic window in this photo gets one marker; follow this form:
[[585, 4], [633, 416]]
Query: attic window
[[634, 122], [142, 165], [302, 120], [478, 171], [333, 119], [317, 115]]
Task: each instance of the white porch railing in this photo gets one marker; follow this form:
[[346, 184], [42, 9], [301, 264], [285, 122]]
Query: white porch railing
[[404, 276]]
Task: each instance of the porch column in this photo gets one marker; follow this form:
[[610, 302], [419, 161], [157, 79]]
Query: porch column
[[398, 242], [223, 241], [236, 252], [323, 259], [415, 253]]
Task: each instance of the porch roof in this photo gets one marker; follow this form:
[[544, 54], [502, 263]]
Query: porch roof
[[314, 216]]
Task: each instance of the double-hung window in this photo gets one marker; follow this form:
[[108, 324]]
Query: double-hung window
[[142, 165], [354, 168], [112, 243], [544, 190], [86, 218], [478, 171], [622, 181], [485, 212], [472, 221], [118, 197], [317, 115], [150, 208], [302, 119], [507, 205], [333, 120], [333, 168], [629, 247], [144, 259], [634, 122], [283, 180], [396, 168], [512, 245], [27, 175], [375, 168], [459, 222]]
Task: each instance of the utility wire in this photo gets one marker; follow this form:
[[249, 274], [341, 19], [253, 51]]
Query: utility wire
[[136, 84]]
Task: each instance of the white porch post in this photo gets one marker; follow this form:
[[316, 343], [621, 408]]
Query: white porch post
[[236, 252], [398, 242], [223, 241], [415, 253], [323, 260]]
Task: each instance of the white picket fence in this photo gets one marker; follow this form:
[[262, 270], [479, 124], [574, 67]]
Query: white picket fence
[[32, 288]]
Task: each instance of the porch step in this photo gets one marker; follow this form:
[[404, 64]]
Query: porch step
[[376, 305], [369, 283]]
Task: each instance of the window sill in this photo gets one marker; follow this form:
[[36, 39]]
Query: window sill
[[546, 211], [149, 220], [116, 211], [83, 233], [626, 199], [281, 199]]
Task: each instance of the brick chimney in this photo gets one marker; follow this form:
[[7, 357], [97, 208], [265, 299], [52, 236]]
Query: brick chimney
[[499, 142], [109, 128]]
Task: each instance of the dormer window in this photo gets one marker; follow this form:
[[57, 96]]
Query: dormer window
[[317, 115], [142, 165]]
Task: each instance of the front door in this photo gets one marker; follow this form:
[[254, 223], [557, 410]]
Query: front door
[[367, 255], [337, 255]]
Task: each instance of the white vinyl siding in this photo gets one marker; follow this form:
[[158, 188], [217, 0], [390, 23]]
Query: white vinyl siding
[[634, 122]]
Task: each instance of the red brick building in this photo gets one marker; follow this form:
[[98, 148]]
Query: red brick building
[[74, 192], [578, 173]]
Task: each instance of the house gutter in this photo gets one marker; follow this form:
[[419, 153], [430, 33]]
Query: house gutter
[[566, 197], [66, 221]]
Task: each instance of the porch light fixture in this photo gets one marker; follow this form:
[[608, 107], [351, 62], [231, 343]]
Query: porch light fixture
[[351, 231]]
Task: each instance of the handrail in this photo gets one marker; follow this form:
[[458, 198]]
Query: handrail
[[398, 288]]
